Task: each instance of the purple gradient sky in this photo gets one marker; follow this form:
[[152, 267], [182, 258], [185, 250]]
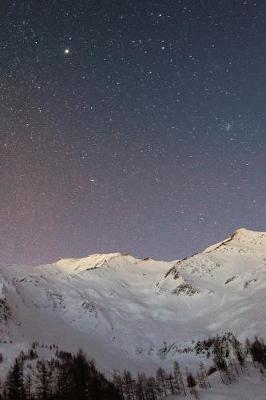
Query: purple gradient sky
[[147, 135]]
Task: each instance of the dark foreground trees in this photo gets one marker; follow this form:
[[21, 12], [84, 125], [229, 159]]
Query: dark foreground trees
[[66, 377], [74, 377]]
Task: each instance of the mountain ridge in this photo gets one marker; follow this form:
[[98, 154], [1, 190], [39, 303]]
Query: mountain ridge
[[124, 310]]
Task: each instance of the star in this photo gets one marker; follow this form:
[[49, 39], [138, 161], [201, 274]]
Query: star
[[66, 51]]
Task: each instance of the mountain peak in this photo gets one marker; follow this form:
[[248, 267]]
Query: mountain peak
[[249, 238], [242, 237], [91, 261], [247, 233]]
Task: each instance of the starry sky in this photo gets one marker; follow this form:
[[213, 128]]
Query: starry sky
[[134, 126]]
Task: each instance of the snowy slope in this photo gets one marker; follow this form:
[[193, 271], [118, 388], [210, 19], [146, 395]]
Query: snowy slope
[[137, 314]]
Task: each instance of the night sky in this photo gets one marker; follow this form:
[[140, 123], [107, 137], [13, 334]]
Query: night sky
[[134, 126]]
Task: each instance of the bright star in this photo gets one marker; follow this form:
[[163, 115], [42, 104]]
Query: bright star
[[66, 51]]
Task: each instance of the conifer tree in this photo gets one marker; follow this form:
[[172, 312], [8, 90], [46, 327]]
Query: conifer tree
[[191, 384], [79, 389], [141, 387], [258, 352], [128, 386], [161, 380], [203, 379], [15, 383], [170, 384], [118, 383], [180, 386], [44, 380], [28, 388]]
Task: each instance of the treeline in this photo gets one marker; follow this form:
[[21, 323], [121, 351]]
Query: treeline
[[226, 355], [69, 376], [163, 384]]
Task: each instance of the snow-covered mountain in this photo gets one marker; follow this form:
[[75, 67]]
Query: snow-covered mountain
[[132, 313]]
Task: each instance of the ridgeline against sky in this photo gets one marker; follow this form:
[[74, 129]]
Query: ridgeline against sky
[[130, 125]]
